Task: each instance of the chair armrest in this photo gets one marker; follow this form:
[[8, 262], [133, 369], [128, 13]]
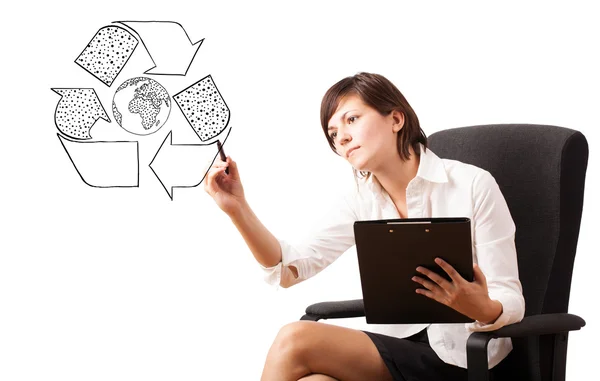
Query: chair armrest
[[335, 310], [544, 324], [477, 343], [535, 325]]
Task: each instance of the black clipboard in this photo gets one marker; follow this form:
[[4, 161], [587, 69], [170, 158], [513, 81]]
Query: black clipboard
[[389, 252]]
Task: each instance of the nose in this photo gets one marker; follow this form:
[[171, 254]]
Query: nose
[[343, 136]]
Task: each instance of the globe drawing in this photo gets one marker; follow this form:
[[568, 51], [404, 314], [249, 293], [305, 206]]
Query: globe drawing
[[141, 105]]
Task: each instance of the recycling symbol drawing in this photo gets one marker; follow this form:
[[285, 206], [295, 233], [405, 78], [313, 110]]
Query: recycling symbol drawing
[[139, 107]]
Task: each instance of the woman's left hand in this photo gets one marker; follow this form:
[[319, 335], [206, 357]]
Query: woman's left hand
[[468, 298]]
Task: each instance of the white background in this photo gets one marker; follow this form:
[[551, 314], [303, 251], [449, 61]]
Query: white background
[[125, 284]]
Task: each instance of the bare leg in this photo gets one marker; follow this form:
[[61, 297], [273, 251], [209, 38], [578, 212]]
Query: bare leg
[[317, 377], [306, 348]]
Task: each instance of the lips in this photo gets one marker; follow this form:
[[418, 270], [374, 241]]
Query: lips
[[350, 151]]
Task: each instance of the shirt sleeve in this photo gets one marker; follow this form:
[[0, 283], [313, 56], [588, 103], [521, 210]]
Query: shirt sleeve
[[331, 235], [495, 251]]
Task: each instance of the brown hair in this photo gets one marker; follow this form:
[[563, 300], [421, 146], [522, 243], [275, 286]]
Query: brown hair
[[379, 93]]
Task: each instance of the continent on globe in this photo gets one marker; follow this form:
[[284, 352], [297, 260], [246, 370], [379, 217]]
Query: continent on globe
[[141, 105]]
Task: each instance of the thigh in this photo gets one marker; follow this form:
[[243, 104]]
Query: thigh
[[343, 353], [317, 377]]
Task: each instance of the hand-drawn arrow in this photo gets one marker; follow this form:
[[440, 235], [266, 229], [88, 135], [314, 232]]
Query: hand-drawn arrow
[[183, 165], [77, 111], [204, 108], [168, 45], [107, 53], [104, 164]]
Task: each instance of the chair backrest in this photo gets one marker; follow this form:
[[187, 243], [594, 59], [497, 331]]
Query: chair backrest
[[541, 172]]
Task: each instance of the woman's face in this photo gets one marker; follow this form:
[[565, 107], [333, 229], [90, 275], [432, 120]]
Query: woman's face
[[362, 135]]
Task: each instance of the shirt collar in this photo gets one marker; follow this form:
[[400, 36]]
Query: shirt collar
[[431, 168]]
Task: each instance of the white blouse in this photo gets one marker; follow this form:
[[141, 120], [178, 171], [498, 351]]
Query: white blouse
[[441, 188]]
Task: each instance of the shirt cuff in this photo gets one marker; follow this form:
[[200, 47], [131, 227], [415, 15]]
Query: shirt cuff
[[272, 275], [512, 312]]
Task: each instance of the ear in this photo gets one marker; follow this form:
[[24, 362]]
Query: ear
[[398, 120]]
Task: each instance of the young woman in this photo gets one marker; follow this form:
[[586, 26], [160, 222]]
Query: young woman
[[368, 121]]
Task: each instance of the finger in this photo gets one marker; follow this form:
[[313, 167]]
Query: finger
[[233, 167], [428, 294], [443, 283], [478, 275], [425, 283], [209, 182], [212, 176], [213, 172], [454, 275], [219, 164], [219, 171]]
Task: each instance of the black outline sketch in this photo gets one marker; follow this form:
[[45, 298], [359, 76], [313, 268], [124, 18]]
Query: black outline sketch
[[86, 129], [198, 132], [114, 106], [170, 138], [156, 69], [137, 148], [89, 46], [171, 59]]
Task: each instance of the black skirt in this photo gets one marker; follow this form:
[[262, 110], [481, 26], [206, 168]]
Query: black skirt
[[412, 359]]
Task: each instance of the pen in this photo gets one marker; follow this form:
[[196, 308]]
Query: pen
[[222, 153]]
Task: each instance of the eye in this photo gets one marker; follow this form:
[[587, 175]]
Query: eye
[[333, 135], [352, 119]]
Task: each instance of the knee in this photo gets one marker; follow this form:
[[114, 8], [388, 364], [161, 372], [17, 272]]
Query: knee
[[295, 340]]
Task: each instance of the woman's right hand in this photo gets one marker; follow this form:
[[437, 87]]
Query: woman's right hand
[[225, 189]]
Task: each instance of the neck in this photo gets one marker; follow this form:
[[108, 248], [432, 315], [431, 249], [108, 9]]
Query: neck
[[395, 175]]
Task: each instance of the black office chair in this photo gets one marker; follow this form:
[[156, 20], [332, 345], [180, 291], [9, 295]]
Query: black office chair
[[541, 172]]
